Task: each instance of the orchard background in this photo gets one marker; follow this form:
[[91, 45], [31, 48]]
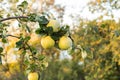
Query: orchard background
[[92, 45]]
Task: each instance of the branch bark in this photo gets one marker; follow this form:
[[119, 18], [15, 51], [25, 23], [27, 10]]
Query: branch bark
[[16, 17]]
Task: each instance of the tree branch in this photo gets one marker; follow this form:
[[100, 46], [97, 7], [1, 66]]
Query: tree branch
[[17, 17]]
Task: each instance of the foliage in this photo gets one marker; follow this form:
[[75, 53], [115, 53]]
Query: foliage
[[62, 70], [100, 40]]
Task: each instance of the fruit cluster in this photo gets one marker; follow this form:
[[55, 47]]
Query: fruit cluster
[[53, 34]]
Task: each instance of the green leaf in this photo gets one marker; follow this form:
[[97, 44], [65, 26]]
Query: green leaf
[[19, 43], [23, 5], [1, 49], [1, 25], [24, 52], [0, 36], [71, 51], [27, 38], [0, 60], [42, 20], [95, 29], [103, 25], [117, 33], [1, 31], [64, 30], [34, 50], [49, 30], [4, 40], [61, 32], [28, 29], [40, 31], [26, 62], [32, 17], [41, 57], [55, 37], [32, 67]]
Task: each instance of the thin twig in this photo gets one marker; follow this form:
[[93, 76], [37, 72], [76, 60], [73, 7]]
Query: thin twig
[[16, 17], [12, 36], [29, 47]]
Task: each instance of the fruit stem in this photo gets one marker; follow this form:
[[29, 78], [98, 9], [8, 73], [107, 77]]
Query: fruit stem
[[16, 17]]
